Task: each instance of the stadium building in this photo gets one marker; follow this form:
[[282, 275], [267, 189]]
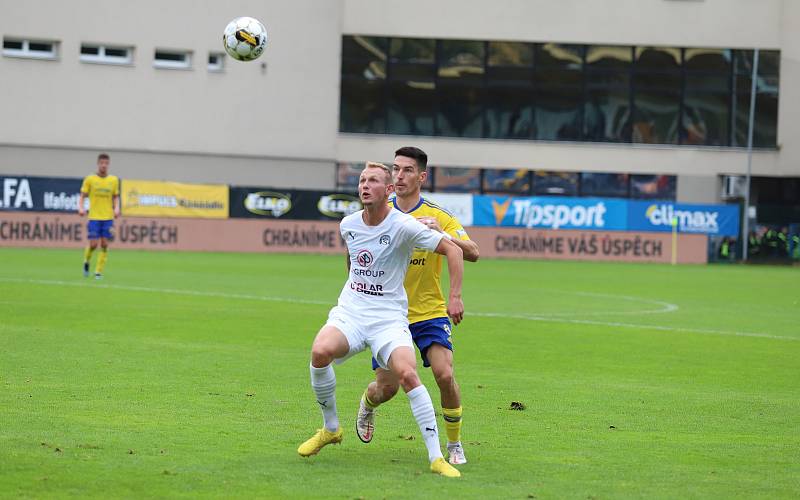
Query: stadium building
[[612, 98]]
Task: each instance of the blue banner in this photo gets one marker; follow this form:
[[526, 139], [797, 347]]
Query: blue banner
[[720, 220], [608, 214], [550, 212], [39, 194]]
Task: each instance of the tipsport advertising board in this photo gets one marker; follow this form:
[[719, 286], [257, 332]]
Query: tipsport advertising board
[[550, 213], [719, 220]]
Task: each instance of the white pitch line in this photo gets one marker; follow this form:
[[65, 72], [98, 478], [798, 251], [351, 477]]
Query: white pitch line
[[528, 317], [702, 331], [174, 291]]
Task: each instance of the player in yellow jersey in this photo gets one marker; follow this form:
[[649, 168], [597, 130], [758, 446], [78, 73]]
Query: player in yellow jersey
[[427, 310], [103, 193]]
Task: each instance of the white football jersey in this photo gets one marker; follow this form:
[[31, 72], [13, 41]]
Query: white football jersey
[[379, 257]]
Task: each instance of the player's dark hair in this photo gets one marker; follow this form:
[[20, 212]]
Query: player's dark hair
[[103, 156], [416, 154]]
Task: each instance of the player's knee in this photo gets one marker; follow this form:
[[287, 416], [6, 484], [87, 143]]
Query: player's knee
[[444, 377], [321, 355], [408, 378]]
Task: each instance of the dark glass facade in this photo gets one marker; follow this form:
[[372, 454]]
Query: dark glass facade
[[556, 92], [524, 182]]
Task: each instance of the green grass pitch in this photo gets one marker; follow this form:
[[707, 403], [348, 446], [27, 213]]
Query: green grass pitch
[[186, 375]]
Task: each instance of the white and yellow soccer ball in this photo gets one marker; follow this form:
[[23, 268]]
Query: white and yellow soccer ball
[[244, 38]]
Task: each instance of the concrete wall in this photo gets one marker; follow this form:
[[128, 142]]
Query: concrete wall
[[181, 167], [287, 108], [704, 23]]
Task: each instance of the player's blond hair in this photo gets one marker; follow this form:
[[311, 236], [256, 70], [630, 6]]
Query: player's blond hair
[[386, 170]]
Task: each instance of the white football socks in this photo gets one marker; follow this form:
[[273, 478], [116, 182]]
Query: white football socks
[[323, 381], [422, 409]]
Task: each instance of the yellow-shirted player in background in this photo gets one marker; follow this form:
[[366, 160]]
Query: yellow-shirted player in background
[[103, 192], [427, 310]]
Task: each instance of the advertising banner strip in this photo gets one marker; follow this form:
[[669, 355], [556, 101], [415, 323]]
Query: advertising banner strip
[[173, 199], [271, 203], [550, 212], [40, 194], [48, 229], [588, 245], [604, 214], [719, 220]]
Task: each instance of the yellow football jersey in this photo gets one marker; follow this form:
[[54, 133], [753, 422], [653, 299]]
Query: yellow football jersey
[[425, 298], [101, 192]]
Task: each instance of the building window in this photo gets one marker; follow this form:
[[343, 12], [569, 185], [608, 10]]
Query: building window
[[555, 183], [32, 49], [106, 54], [765, 128], [707, 97], [216, 62], [172, 59], [607, 109], [656, 95], [507, 181], [558, 76], [460, 87], [604, 185], [555, 92], [653, 187], [458, 180], [412, 87], [509, 90], [363, 88]]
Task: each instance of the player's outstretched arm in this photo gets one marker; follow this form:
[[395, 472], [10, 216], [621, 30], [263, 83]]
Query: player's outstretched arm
[[455, 266]]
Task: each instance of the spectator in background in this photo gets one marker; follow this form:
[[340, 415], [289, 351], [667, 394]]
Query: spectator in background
[[753, 245]]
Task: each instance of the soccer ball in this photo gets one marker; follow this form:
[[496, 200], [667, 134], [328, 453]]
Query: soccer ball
[[244, 38]]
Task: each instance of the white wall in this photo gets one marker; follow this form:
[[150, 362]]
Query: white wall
[[180, 167], [288, 109], [703, 23]]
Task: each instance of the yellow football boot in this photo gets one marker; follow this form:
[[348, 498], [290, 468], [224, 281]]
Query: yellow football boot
[[440, 466], [323, 437]]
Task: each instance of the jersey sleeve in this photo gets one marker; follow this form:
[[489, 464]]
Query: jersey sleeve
[[115, 191], [85, 185], [421, 236], [451, 226]]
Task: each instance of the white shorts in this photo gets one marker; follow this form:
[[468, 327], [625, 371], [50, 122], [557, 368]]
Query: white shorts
[[382, 335]]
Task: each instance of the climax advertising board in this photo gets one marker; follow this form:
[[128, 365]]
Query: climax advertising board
[[174, 199], [550, 213], [270, 203], [721, 220], [40, 194]]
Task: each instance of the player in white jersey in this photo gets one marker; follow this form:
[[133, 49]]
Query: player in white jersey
[[372, 310]]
